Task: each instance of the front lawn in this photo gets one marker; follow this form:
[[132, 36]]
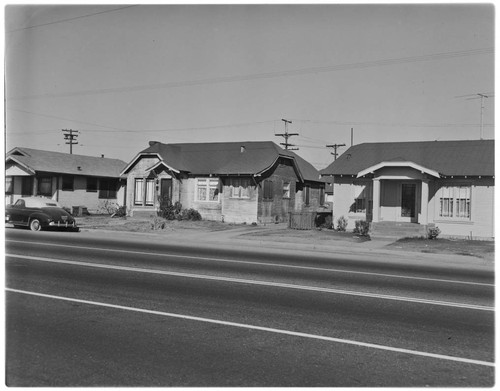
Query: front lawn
[[475, 248]]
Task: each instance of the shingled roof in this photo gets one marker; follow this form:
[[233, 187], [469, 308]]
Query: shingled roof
[[36, 160], [448, 158], [225, 158]]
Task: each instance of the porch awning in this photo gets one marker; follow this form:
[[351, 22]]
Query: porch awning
[[378, 166]]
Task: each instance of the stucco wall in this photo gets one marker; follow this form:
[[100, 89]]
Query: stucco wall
[[79, 196], [479, 226], [481, 222], [239, 210], [346, 190]]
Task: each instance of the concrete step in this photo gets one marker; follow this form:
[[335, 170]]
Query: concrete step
[[394, 230]]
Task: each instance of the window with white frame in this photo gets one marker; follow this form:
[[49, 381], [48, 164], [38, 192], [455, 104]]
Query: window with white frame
[[359, 205], [9, 185], [150, 192], [207, 189], [139, 191], [454, 202], [240, 187], [286, 189]]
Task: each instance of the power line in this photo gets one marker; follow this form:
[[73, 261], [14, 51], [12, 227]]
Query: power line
[[69, 19], [267, 75], [441, 125], [121, 130]]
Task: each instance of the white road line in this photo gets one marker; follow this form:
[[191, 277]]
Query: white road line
[[260, 328], [256, 282], [259, 263]]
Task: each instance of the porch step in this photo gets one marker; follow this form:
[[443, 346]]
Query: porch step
[[395, 230]]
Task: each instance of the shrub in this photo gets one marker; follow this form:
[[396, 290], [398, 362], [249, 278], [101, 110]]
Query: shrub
[[341, 223], [107, 207], [158, 223], [168, 210], [362, 227], [433, 232], [190, 214], [120, 212]]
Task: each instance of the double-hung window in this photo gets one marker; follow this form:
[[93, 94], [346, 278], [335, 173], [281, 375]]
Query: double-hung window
[[91, 184], [9, 185], [150, 192], [286, 189], [455, 202], [240, 188], [268, 190], [207, 189], [108, 188], [68, 183], [45, 186]]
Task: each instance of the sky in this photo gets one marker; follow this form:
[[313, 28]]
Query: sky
[[124, 74]]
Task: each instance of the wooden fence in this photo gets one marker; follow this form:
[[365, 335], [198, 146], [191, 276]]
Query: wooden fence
[[302, 220]]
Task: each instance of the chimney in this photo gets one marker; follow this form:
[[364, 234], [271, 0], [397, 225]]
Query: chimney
[[242, 149], [151, 143], [102, 155]]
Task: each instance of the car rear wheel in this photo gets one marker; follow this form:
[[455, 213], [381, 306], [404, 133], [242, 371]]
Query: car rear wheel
[[35, 225]]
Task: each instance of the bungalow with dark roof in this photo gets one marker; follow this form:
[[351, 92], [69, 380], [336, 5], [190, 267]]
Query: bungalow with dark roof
[[237, 182], [72, 180], [405, 187]]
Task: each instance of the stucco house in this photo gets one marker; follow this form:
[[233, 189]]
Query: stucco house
[[399, 185], [237, 182], [72, 180]]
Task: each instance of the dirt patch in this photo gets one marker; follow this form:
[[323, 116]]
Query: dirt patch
[[315, 235], [475, 248]]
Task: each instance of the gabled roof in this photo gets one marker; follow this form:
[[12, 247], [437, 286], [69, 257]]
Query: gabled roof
[[35, 160], [225, 158], [448, 158]]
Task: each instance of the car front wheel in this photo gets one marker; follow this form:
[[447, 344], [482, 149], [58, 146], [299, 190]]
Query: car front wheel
[[35, 225]]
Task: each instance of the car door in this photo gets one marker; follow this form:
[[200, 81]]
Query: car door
[[18, 213]]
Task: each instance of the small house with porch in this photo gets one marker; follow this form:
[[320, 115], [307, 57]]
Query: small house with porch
[[73, 180], [410, 186], [235, 182]]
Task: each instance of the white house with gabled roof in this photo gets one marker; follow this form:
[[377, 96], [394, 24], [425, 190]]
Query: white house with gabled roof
[[410, 186]]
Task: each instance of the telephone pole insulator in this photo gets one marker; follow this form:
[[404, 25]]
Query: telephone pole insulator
[[70, 136], [286, 135]]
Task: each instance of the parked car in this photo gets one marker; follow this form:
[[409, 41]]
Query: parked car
[[38, 213]]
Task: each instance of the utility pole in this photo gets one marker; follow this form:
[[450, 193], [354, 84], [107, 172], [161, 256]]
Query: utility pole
[[286, 135], [335, 146], [70, 135]]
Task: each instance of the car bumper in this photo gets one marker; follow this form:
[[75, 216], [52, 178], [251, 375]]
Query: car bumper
[[60, 224]]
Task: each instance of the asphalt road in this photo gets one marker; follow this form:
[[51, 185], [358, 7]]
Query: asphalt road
[[82, 310]]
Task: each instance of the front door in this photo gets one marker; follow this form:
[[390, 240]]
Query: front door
[[408, 199], [166, 188]]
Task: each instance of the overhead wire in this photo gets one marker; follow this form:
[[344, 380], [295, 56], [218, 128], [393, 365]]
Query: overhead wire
[[257, 76], [68, 19]]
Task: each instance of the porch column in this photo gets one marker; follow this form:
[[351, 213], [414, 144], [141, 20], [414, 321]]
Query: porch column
[[376, 200], [424, 201]]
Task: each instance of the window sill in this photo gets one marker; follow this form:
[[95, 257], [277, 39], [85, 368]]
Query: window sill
[[454, 221], [239, 198]]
